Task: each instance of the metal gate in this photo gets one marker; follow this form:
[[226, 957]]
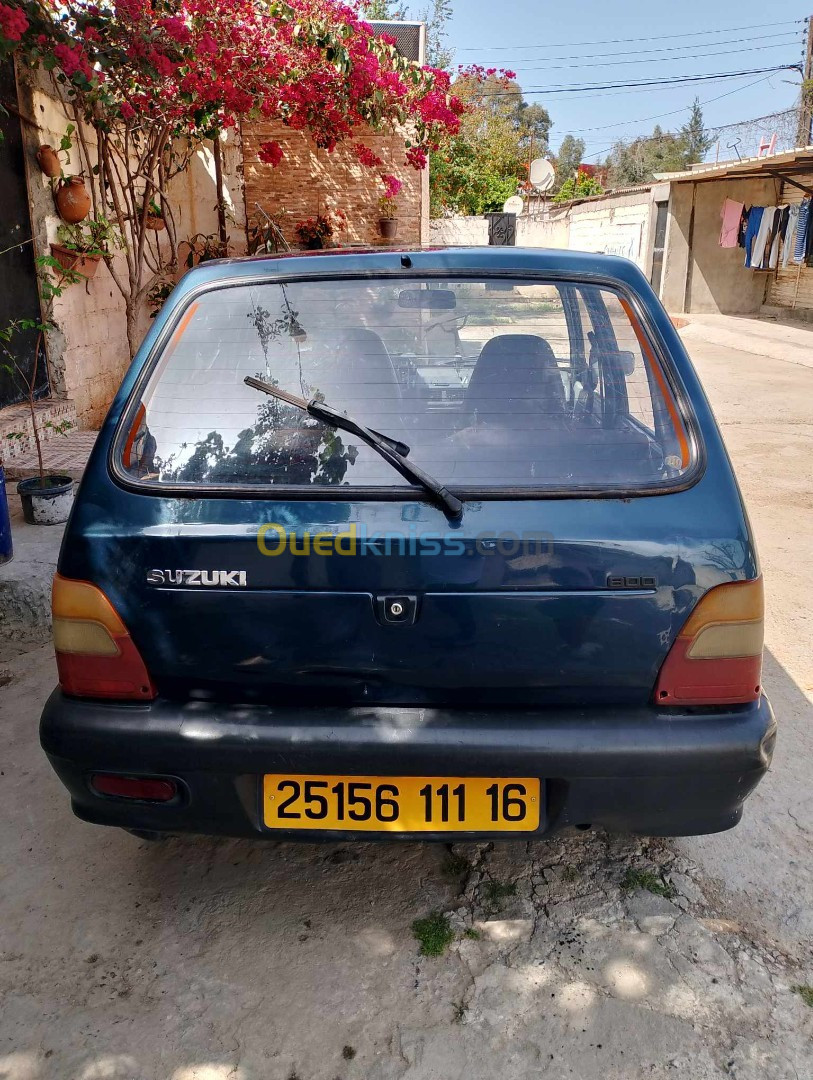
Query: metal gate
[[19, 298]]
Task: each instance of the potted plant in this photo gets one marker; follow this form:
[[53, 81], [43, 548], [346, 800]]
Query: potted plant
[[46, 498], [81, 247], [155, 216], [314, 232], [388, 208]]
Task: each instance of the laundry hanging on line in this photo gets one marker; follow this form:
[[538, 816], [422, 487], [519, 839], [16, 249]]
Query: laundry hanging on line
[[804, 233], [766, 232], [731, 216]]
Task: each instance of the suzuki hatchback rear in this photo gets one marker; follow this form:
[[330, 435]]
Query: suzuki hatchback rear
[[397, 544]]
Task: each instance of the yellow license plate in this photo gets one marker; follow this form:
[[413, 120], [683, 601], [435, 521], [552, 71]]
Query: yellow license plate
[[401, 803]]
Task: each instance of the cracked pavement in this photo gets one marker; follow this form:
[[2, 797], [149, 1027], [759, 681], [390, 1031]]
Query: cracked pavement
[[202, 959]]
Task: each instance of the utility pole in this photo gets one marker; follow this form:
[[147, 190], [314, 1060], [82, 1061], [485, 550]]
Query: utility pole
[[804, 136]]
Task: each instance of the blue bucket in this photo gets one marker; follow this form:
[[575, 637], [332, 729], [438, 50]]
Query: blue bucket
[[6, 550]]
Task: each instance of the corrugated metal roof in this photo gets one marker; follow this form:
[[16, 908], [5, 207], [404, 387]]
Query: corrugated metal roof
[[793, 161]]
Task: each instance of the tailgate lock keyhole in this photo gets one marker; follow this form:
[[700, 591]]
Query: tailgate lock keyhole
[[396, 610]]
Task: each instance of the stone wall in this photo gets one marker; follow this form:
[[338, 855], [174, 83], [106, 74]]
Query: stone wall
[[310, 181]]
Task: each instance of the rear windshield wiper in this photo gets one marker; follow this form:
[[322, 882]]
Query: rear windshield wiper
[[391, 450]]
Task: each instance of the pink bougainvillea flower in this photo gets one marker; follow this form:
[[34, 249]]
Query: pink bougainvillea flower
[[417, 157], [392, 186], [271, 153], [366, 156], [13, 23]]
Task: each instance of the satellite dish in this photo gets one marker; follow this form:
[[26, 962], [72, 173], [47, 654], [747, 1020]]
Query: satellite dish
[[514, 205], [542, 174]]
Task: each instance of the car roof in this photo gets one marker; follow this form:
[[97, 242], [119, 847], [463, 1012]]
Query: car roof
[[403, 259]]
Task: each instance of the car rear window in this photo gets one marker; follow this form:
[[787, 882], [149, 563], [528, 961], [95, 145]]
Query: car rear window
[[492, 384]]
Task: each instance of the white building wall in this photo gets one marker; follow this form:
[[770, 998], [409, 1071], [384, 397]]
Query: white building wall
[[613, 225], [616, 226]]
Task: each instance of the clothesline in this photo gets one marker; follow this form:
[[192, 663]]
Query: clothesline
[[765, 231]]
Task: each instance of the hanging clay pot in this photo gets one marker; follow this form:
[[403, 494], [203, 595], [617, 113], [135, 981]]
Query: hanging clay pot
[[82, 263], [155, 222], [73, 200], [49, 161]]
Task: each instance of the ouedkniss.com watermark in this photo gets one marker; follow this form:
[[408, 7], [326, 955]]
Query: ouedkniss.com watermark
[[274, 540]]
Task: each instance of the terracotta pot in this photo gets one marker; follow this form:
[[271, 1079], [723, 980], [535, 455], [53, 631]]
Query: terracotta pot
[[154, 222], [86, 265], [73, 200], [388, 227], [49, 161]]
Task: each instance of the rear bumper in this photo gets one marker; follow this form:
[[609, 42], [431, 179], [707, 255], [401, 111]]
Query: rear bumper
[[647, 771]]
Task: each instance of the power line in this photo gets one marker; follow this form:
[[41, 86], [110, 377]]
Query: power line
[[625, 41], [791, 36], [709, 101], [653, 59], [677, 80], [672, 112], [713, 130]]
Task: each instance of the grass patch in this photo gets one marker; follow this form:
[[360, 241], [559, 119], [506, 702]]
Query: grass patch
[[455, 866], [570, 874], [498, 891], [805, 993], [433, 934], [460, 1009], [647, 879], [472, 934]]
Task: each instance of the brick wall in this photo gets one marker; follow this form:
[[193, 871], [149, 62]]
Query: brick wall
[[309, 181]]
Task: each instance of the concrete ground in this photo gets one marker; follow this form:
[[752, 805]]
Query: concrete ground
[[200, 959]]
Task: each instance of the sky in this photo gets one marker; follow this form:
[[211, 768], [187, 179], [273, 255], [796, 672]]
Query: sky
[[575, 43]]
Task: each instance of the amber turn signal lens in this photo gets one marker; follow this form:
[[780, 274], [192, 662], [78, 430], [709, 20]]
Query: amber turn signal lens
[[95, 654], [716, 658]]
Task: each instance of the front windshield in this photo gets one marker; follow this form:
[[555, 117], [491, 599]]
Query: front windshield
[[491, 383]]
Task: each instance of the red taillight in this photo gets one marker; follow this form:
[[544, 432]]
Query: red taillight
[[147, 789], [716, 658], [95, 654]]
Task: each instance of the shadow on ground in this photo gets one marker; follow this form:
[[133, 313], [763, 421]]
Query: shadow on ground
[[199, 959]]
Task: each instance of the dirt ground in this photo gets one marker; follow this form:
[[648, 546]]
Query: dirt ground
[[199, 959]]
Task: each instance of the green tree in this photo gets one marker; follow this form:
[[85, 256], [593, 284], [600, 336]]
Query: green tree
[[639, 161], [477, 170], [534, 124], [384, 10], [568, 159], [580, 186], [694, 135], [437, 18]]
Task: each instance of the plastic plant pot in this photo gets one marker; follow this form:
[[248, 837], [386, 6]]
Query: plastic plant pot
[[46, 500]]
